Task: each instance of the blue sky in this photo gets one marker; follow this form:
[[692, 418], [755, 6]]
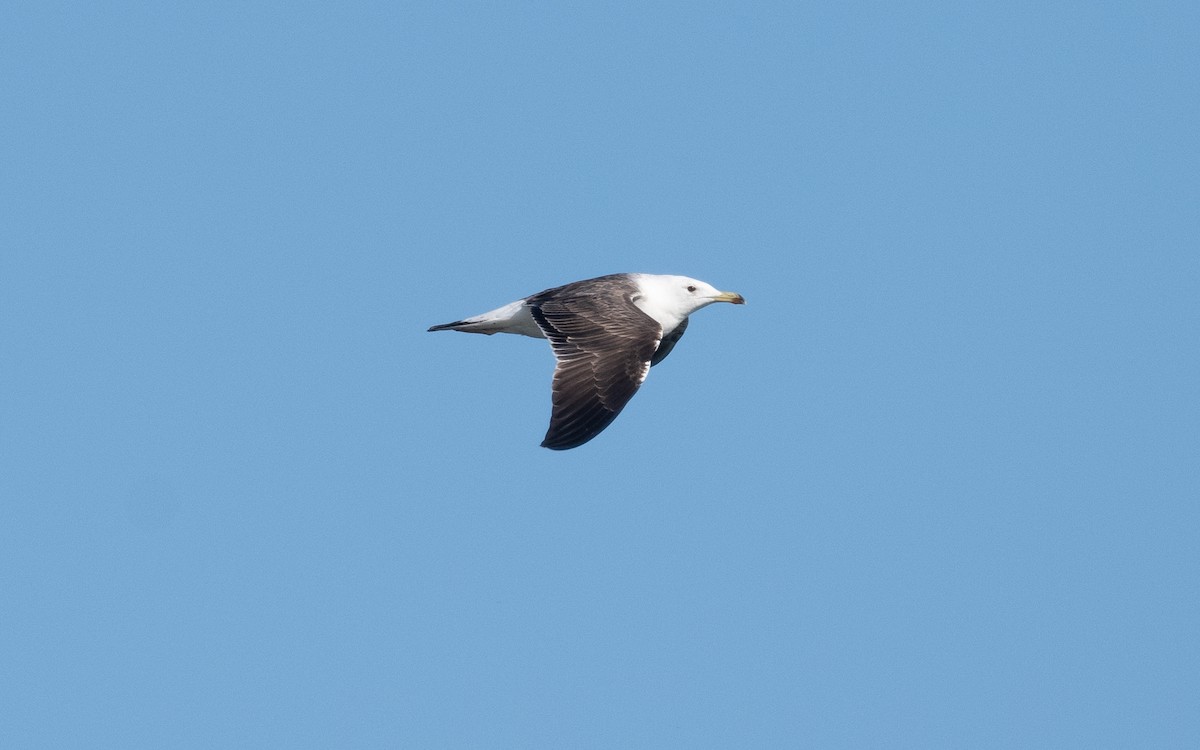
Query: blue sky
[[935, 485]]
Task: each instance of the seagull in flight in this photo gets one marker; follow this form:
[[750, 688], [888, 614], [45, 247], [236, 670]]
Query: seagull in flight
[[606, 334]]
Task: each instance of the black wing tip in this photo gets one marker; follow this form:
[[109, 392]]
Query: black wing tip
[[444, 326], [564, 445], [565, 438]]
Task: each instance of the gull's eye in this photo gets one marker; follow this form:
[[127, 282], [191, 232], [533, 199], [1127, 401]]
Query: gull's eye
[[691, 288]]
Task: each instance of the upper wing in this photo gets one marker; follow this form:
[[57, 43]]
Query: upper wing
[[604, 347]]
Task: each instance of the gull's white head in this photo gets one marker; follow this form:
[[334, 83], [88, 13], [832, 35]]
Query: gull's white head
[[670, 299]]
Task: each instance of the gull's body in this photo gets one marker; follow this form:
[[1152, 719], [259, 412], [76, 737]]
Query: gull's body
[[606, 333]]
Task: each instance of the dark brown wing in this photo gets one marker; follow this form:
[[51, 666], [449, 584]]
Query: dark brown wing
[[668, 343], [603, 344]]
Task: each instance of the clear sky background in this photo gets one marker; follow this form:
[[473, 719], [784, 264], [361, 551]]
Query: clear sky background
[[935, 485]]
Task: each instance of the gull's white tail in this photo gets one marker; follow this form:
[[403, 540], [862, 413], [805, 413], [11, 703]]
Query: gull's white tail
[[512, 318]]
